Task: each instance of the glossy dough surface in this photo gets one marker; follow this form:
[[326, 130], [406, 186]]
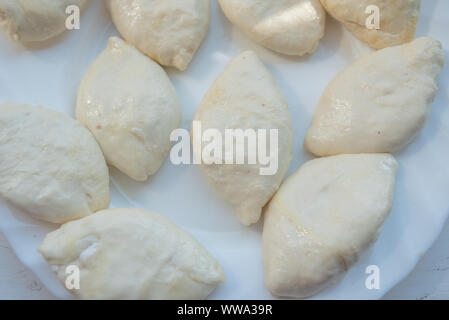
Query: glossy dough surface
[[322, 218], [129, 104], [246, 96], [398, 20], [132, 254], [380, 102], [35, 20], [50, 165], [168, 31], [292, 27]]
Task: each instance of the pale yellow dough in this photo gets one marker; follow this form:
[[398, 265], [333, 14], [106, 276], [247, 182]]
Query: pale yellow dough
[[35, 20], [380, 102], [132, 254], [292, 27], [246, 96], [129, 104], [322, 218], [50, 165], [168, 31], [398, 20]]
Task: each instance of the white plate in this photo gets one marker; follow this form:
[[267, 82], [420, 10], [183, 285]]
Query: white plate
[[49, 75]]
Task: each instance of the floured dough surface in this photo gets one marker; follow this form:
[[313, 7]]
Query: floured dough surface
[[292, 27], [168, 31], [35, 20], [129, 104], [50, 165], [380, 102], [132, 254], [322, 218], [246, 96], [398, 20]]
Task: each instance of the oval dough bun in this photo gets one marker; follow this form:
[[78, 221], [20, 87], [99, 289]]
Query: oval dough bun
[[35, 20], [129, 104], [398, 20], [380, 102], [321, 219], [292, 27], [132, 254], [50, 165], [168, 31], [246, 96]]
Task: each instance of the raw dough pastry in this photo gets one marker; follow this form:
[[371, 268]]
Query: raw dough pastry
[[322, 218], [129, 104], [380, 102], [35, 20], [50, 165], [132, 254], [292, 27], [246, 96], [398, 20], [169, 31]]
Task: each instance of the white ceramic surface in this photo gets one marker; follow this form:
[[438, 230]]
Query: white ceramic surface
[[49, 75]]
